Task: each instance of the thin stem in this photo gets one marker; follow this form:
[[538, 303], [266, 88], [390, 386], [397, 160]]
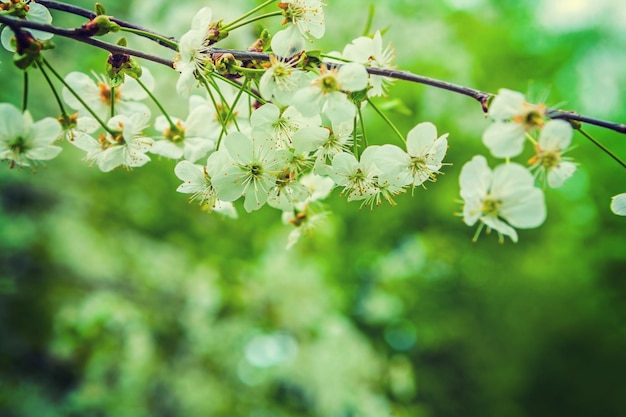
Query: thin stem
[[25, 96], [54, 90], [370, 18], [362, 123], [216, 107], [78, 97], [154, 36], [251, 92], [252, 20], [79, 11], [387, 120], [112, 101], [355, 142], [244, 85], [530, 138], [250, 13], [157, 102], [602, 147]]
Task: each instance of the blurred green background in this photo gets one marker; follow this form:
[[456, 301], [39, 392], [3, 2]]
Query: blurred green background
[[118, 298]]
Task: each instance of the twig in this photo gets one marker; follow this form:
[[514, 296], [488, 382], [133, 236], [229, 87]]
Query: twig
[[481, 96], [79, 11], [17, 24]]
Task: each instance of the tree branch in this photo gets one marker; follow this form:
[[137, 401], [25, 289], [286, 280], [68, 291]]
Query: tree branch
[[481, 96], [79, 11], [17, 24]]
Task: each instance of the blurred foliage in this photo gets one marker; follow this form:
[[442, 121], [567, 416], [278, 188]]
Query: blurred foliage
[[117, 298]]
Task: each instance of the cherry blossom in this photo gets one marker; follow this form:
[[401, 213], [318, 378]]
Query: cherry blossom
[[502, 199]]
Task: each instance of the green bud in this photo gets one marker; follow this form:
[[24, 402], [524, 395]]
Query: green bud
[[100, 10]]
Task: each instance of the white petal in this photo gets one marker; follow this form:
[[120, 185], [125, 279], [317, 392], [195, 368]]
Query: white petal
[[167, 149], [420, 139], [500, 226], [618, 204], [266, 115], [202, 19], [352, 76], [504, 140], [46, 131], [526, 211], [511, 179], [560, 173], [11, 122], [288, 42], [506, 105], [556, 135], [475, 178]]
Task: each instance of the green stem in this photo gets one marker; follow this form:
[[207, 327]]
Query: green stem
[[112, 101], [25, 96], [244, 85], [80, 100], [337, 58], [386, 119], [602, 147], [250, 13], [205, 82], [362, 123], [54, 90], [370, 18], [232, 27], [158, 103], [251, 71], [530, 138], [355, 142], [162, 39], [236, 85]]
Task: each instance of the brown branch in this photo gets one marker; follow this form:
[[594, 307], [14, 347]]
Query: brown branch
[[17, 24], [79, 11], [481, 96]]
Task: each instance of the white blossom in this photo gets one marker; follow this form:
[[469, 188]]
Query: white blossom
[[513, 116], [305, 18], [421, 162], [193, 58], [370, 52], [187, 139], [127, 147], [327, 92], [197, 182], [502, 199], [98, 94], [283, 125], [246, 166], [357, 177], [281, 80], [24, 142], [554, 140]]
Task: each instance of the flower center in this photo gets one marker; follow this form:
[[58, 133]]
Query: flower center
[[175, 133], [417, 164], [549, 160], [19, 145], [329, 83], [105, 93], [491, 207], [255, 169]]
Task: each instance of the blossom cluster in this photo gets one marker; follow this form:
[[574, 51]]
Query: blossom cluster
[[507, 197], [286, 132]]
